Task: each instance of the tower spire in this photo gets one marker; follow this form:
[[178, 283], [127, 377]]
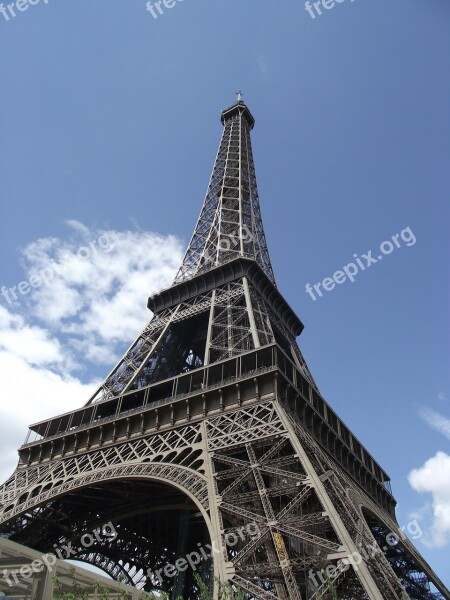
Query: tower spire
[[230, 223]]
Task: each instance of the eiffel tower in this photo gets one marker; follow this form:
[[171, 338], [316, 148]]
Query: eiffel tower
[[209, 446]]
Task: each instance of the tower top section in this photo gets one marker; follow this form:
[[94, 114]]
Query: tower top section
[[230, 224], [238, 108]]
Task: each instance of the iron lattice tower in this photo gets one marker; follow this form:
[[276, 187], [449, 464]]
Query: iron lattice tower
[[210, 423]]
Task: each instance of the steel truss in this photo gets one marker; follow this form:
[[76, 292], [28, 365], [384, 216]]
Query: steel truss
[[229, 226], [230, 222], [210, 431], [268, 475]]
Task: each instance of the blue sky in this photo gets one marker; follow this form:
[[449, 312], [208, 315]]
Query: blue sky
[[110, 121]]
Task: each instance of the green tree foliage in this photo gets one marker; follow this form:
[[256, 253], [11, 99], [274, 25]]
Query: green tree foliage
[[226, 591]]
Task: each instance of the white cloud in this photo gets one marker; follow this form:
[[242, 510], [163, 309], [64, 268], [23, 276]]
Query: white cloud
[[434, 478], [99, 284], [31, 393], [64, 335], [442, 396], [30, 343]]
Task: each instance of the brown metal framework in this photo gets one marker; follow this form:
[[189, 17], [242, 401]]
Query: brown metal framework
[[210, 426]]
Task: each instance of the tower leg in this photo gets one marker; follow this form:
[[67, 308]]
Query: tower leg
[[362, 572]]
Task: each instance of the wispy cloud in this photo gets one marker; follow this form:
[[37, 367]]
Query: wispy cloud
[[262, 64], [436, 421]]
